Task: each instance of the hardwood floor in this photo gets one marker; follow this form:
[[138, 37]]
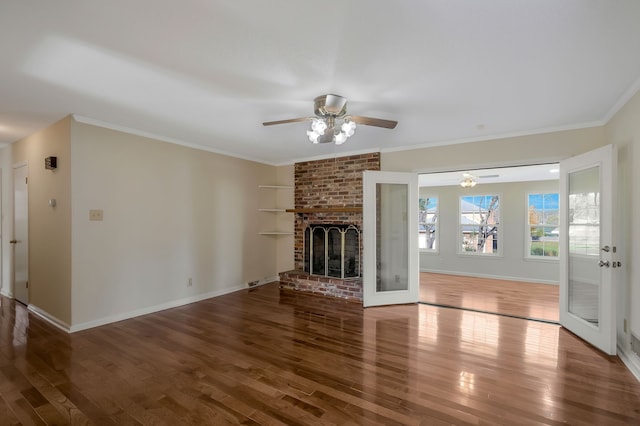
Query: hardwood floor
[[514, 298], [266, 356]]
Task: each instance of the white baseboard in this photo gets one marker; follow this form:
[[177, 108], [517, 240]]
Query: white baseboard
[[151, 309], [495, 277], [6, 294], [49, 318], [631, 360], [138, 312]]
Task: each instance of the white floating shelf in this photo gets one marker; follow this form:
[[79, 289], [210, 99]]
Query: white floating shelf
[[276, 186], [276, 233]]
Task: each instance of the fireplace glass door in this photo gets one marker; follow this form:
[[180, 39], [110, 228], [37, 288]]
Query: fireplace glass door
[[332, 250]]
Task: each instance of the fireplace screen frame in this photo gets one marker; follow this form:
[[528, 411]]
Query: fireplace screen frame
[[326, 263]]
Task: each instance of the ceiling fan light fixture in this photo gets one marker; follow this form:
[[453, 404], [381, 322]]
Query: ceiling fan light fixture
[[468, 180], [340, 138], [318, 126], [313, 136], [348, 127]]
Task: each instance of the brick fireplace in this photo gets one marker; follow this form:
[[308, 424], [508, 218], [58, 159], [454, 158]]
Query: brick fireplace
[[327, 192]]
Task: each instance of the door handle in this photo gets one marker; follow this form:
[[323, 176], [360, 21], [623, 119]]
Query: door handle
[[13, 241], [606, 249], [605, 264]]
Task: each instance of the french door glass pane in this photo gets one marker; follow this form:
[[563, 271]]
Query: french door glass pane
[[584, 244], [392, 235]]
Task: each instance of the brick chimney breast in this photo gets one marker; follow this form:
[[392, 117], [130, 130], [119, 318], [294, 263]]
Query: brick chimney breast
[[329, 183]]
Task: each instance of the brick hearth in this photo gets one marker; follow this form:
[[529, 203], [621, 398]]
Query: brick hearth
[[334, 183], [348, 288]]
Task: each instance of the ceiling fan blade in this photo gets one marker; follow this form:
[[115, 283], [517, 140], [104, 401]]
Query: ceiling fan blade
[[291, 120], [378, 122]]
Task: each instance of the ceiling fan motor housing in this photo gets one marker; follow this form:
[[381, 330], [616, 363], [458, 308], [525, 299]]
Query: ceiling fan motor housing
[[330, 106]]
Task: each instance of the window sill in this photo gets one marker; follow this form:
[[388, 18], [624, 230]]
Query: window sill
[[480, 255], [429, 252], [541, 259]]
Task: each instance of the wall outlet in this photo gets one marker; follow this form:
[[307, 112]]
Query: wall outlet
[[95, 214], [189, 282]]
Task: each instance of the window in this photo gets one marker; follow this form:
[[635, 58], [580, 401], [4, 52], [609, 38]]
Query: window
[[480, 224], [542, 225], [428, 224]]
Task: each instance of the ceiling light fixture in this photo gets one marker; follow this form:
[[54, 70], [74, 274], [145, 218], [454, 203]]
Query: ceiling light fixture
[[337, 135], [468, 180]]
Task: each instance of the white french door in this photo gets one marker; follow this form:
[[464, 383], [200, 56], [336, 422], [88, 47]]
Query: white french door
[[20, 234], [588, 254], [390, 231]]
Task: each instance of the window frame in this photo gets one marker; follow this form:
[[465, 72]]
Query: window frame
[[528, 225]]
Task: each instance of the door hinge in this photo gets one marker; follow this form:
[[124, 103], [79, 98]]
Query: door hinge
[[27, 284], [26, 180]]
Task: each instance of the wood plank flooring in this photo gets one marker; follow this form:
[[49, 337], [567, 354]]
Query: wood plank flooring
[[273, 357], [505, 297]]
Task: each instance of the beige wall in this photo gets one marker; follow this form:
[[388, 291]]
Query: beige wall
[[49, 228], [624, 131], [170, 213], [533, 149]]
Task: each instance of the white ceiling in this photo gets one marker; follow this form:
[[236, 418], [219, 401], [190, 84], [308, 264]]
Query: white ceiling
[[208, 73]]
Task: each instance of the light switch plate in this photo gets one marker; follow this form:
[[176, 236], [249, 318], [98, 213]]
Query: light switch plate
[[95, 214]]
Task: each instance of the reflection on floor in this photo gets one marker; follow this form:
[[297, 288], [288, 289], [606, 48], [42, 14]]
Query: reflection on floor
[[276, 357], [513, 298]]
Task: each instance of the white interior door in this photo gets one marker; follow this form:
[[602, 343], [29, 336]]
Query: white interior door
[[588, 255], [390, 231], [20, 234]]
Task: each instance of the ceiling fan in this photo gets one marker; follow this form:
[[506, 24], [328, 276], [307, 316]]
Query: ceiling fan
[[324, 129], [469, 180]]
